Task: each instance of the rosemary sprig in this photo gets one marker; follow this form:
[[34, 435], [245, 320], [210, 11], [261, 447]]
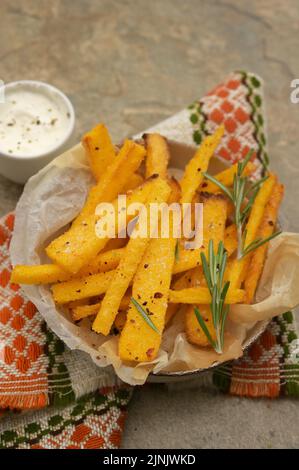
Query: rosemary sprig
[[259, 242], [243, 200], [213, 269], [144, 315]]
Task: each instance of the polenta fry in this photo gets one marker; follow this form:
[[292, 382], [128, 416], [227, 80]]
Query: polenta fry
[[114, 179], [266, 229], [194, 332], [157, 155], [138, 342], [126, 269], [226, 177], [193, 175], [80, 244], [201, 295], [214, 218], [83, 311], [39, 274], [52, 273], [240, 265], [135, 181], [76, 289], [99, 149]]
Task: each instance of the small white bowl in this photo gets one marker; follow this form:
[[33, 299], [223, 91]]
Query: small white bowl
[[19, 168]]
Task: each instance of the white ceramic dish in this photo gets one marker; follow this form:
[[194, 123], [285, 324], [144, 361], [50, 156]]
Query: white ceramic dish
[[19, 168]]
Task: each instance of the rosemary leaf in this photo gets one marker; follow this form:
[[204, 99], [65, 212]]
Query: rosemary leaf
[[219, 184], [144, 315], [214, 269], [258, 242], [203, 326]]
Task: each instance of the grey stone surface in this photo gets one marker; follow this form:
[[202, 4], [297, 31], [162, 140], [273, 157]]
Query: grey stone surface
[[131, 63]]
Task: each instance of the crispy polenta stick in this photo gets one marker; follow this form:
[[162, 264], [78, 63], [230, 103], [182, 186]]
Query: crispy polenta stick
[[194, 332], [189, 259], [193, 175], [64, 250], [83, 311], [99, 149], [138, 341], [114, 179], [135, 181], [201, 295], [39, 274], [120, 320], [214, 218], [181, 283], [157, 155], [52, 273], [126, 269], [230, 239], [80, 244], [259, 255], [239, 267], [76, 289], [175, 194], [103, 262], [226, 177], [115, 244]]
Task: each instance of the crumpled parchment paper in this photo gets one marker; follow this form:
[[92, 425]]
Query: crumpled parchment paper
[[50, 201]]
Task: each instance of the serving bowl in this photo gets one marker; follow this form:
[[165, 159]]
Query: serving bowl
[[59, 190], [19, 168]]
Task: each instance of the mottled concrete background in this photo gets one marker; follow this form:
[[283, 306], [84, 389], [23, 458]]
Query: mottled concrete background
[[131, 63]]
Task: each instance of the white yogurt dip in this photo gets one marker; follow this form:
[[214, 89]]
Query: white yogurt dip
[[34, 119]]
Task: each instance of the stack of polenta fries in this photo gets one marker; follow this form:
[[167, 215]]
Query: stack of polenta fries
[[133, 286]]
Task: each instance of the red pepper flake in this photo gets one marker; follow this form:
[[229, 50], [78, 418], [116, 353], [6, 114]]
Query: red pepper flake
[[158, 295], [149, 352]]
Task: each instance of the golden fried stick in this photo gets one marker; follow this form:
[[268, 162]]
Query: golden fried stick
[[259, 255], [80, 244], [201, 295], [195, 168], [226, 177], [157, 155], [240, 266], [127, 267], [214, 219], [52, 273], [99, 148]]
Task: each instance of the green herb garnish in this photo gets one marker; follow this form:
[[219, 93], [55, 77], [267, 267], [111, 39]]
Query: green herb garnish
[[213, 270], [243, 195], [144, 314]]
